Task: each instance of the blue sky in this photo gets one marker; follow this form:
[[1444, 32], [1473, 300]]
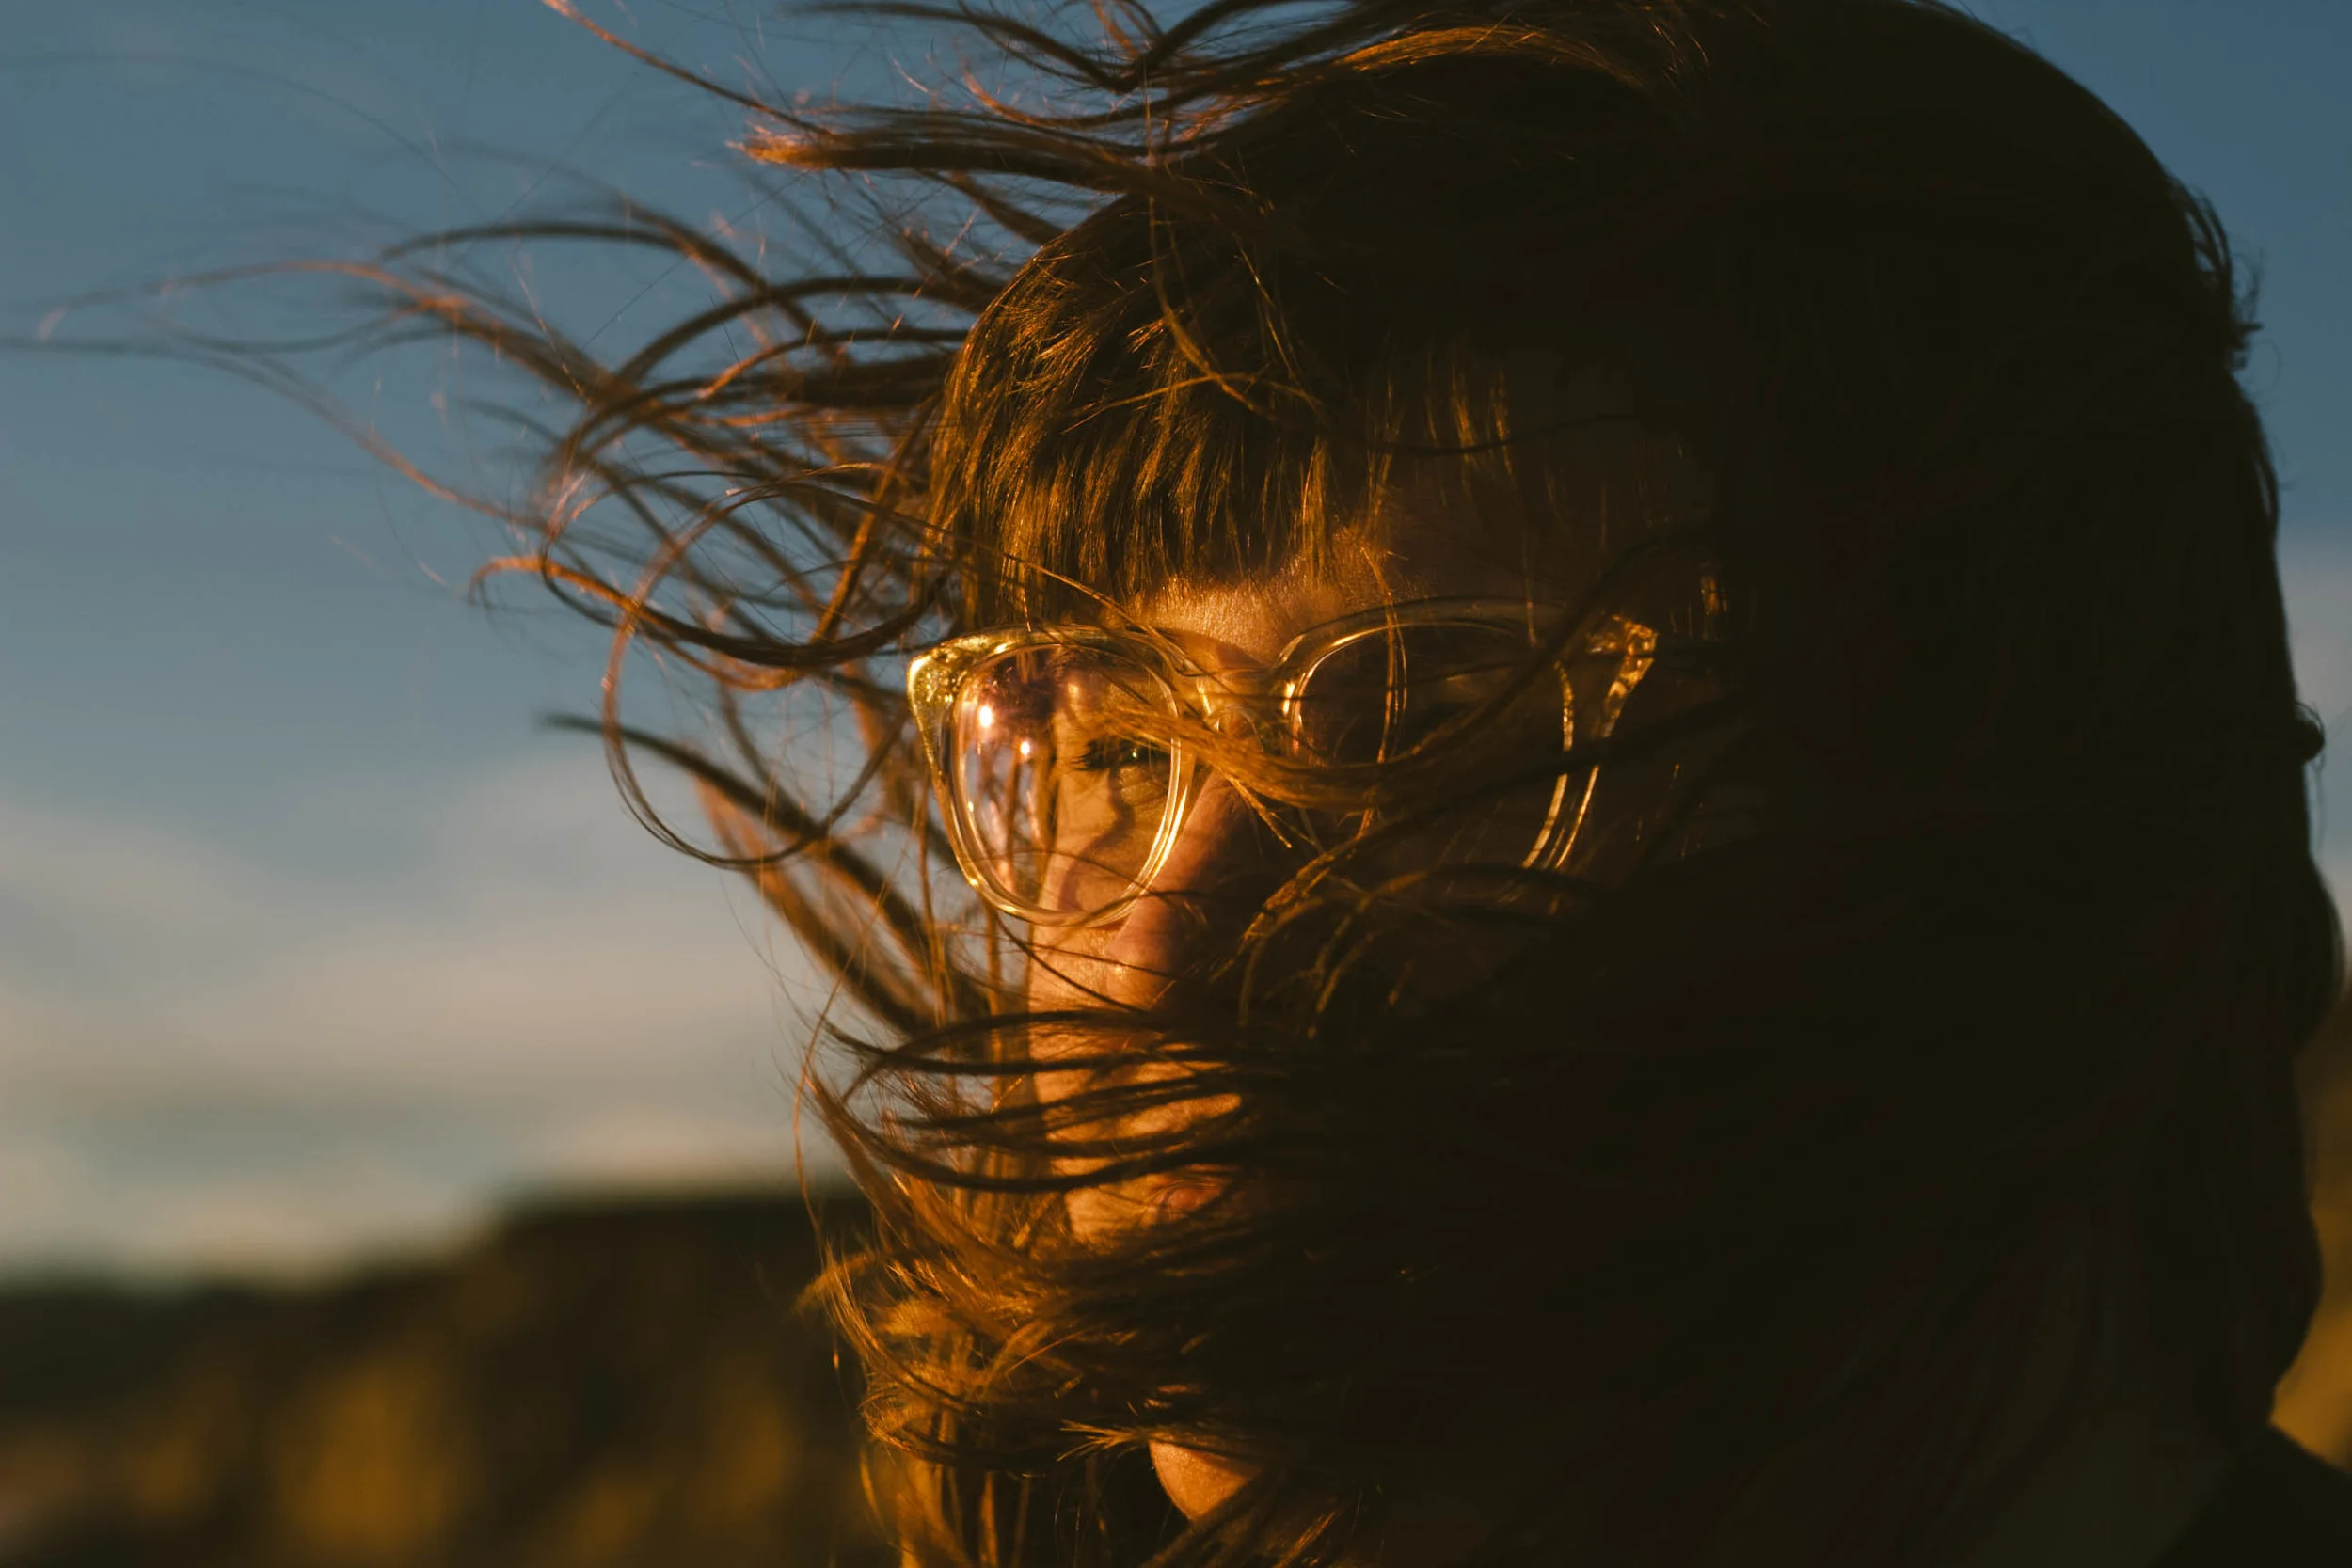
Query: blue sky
[[310, 942]]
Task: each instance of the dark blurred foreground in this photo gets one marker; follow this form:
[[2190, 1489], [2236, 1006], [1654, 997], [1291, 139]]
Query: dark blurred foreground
[[615, 1385], [591, 1386]]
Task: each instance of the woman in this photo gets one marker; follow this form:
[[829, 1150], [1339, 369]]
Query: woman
[[1597, 848]]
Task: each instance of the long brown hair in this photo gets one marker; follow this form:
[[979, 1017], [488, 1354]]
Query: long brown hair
[[1972, 895]]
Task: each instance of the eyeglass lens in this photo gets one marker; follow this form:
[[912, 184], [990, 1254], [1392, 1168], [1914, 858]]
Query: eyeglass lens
[[1065, 771], [1465, 688], [1387, 693]]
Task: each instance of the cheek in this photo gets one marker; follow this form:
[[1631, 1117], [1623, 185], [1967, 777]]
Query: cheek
[[1070, 971], [1083, 974]]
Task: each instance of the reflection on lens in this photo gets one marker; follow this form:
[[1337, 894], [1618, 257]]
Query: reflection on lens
[[1065, 773]]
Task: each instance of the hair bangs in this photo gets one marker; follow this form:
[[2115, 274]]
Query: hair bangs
[[1093, 446]]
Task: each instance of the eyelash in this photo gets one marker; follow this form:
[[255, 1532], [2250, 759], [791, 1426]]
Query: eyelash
[[1102, 756]]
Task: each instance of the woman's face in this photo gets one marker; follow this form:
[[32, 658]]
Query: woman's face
[[1225, 861]]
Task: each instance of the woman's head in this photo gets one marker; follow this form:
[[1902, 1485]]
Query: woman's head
[[1968, 892], [1847, 402]]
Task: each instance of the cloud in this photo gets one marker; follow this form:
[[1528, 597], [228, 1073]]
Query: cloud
[[278, 1055]]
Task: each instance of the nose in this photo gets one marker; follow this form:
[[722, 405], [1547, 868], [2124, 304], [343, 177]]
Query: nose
[[1217, 875], [1225, 863]]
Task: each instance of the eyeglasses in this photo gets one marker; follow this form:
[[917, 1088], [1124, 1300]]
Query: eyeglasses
[[1062, 764]]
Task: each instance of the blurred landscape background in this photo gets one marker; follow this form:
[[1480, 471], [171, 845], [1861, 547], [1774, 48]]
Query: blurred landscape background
[[398, 1151], [614, 1382]]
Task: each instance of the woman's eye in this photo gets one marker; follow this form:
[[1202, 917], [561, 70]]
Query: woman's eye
[[1111, 754]]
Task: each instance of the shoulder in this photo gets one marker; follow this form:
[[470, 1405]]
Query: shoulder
[[2282, 1508]]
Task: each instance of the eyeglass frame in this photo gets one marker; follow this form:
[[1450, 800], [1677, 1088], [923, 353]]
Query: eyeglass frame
[[935, 678]]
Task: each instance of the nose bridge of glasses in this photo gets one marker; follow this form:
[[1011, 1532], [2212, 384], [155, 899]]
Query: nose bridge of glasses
[[1240, 704]]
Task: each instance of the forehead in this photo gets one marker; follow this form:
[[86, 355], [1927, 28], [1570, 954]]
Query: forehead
[[1408, 549]]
